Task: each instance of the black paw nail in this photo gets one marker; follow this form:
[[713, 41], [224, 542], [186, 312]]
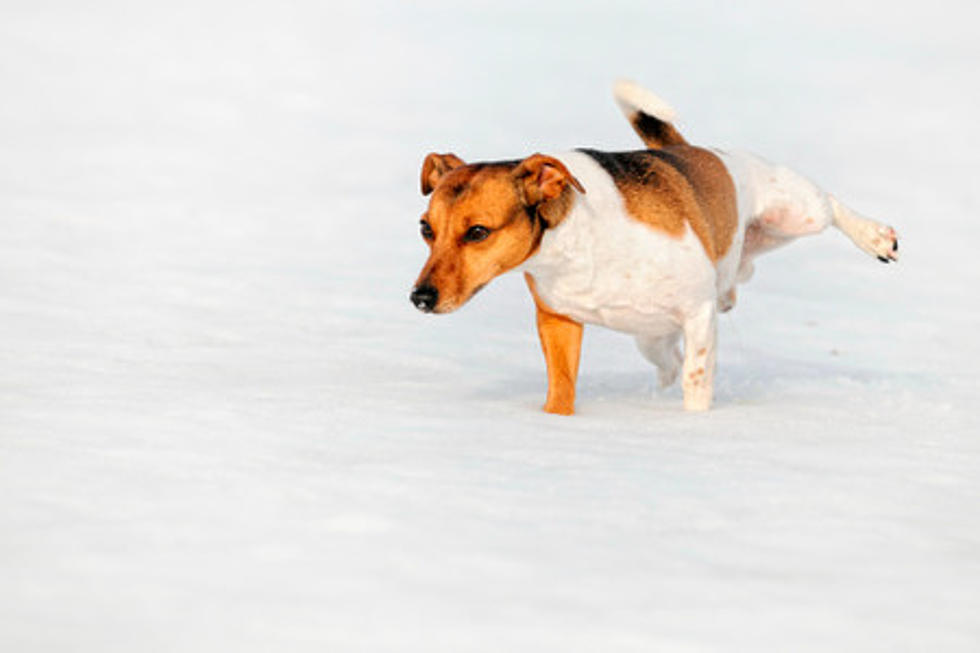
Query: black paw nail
[[883, 259], [895, 246]]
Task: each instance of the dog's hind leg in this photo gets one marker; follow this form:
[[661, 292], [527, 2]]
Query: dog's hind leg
[[663, 352], [792, 206]]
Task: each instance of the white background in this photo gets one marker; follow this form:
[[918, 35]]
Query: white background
[[223, 427]]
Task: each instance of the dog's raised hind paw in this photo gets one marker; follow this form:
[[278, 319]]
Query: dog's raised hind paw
[[876, 239]]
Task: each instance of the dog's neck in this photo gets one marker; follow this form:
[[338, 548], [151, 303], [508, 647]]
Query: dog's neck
[[548, 215]]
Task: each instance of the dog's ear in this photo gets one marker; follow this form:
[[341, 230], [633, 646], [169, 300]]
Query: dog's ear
[[542, 178], [435, 166]]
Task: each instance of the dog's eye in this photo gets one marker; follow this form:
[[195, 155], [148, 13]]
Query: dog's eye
[[426, 229], [475, 234]]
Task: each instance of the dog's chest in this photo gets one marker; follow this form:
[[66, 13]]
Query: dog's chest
[[600, 266]]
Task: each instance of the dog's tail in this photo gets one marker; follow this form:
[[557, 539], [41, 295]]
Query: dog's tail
[[651, 117]]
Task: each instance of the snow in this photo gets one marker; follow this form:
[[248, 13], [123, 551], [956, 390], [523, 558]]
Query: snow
[[224, 427]]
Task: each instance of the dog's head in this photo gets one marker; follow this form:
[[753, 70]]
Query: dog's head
[[484, 219]]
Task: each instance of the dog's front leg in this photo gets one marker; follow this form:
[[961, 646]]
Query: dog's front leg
[[700, 330], [561, 340]]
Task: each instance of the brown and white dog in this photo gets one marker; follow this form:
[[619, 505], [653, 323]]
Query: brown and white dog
[[651, 242]]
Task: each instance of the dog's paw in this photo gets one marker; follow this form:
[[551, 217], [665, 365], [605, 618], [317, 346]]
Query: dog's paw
[[726, 302], [559, 407], [669, 369], [885, 244], [698, 402], [667, 376], [876, 239]]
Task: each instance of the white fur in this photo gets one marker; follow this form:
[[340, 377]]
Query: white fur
[[779, 205], [762, 186], [631, 97]]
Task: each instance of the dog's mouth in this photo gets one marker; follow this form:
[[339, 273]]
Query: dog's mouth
[[456, 305], [477, 289]]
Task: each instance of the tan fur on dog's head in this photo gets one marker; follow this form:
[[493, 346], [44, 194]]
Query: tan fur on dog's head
[[484, 219]]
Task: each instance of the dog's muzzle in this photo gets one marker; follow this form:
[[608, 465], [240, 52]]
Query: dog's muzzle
[[425, 297]]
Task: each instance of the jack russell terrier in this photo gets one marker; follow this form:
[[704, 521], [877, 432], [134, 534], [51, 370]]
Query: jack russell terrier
[[651, 242]]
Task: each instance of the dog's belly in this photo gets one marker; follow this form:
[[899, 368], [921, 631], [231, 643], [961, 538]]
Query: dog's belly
[[600, 266], [645, 312]]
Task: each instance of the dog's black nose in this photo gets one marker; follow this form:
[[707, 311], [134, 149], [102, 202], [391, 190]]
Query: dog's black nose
[[425, 297]]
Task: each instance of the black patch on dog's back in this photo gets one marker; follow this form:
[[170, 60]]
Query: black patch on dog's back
[[637, 166]]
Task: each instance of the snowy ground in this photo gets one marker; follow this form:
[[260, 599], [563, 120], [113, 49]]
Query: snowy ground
[[224, 428]]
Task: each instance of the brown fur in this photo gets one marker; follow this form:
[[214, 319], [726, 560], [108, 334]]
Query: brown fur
[[675, 186], [541, 178], [561, 340], [435, 167], [655, 133], [515, 200]]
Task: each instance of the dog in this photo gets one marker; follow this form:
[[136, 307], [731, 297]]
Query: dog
[[651, 242]]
